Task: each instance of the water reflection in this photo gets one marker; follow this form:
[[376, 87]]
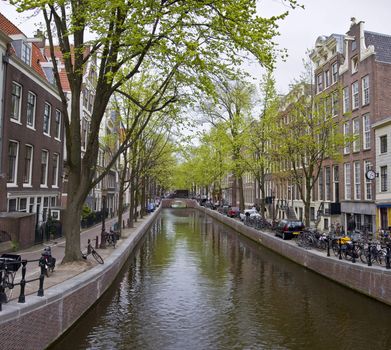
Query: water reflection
[[195, 284]]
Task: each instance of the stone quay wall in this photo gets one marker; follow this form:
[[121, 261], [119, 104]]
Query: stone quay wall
[[39, 321], [373, 281]]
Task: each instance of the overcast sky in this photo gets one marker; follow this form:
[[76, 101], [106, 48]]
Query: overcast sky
[[298, 31]]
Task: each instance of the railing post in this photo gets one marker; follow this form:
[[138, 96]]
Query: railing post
[[41, 277], [22, 297], [339, 249], [353, 253], [328, 246], [96, 243], [89, 246], [388, 266]]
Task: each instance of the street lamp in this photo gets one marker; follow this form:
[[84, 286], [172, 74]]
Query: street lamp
[[103, 233]]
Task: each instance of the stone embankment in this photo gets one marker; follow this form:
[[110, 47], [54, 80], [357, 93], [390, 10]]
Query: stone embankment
[[373, 281]]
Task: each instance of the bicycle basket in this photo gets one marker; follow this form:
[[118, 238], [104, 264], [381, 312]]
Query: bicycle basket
[[13, 262]]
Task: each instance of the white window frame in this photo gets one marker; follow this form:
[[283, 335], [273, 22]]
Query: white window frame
[[326, 79], [366, 127], [346, 99], [356, 133], [47, 133], [30, 170], [357, 180], [368, 183], [348, 188], [34, 108], [16, 107], [26, 53], [354, 63], [383, 137], [319, 82], [57, 129], [14, 181], [45, 183], [346, 132], [327, 183], [56, 160], [365, 90], [383, 179], [334, 103], [355, 97], [334, 73]]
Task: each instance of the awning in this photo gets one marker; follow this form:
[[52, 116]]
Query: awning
[[383, 205]]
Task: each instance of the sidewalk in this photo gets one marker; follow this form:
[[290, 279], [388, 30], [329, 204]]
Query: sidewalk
[[66, 271]]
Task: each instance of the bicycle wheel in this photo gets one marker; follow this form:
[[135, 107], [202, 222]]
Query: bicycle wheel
[[9, 285], [97, 257], [381, 256]]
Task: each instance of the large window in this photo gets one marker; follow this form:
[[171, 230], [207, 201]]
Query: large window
[[327, 78], [16, 99], [31, 106], [346, 132], [334, 103], [57, 129], [56, 163], [355, 100], [327, 175], [357, 180], [320, 182], [13, 149], [356, 134], [44, 167], [26, 53], [334, 73], [348, 189], [46, 118], [319, 80], [365, 90], [383, 178], [346, 100], [383, 144], [366, 125], [28, 164], [368, 183]]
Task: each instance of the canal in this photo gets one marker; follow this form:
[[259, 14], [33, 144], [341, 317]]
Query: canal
[[193, 283]]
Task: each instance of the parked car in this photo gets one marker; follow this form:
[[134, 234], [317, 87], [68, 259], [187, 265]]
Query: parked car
[[287, 229], [251, 213], [224, 209], [233, 212]]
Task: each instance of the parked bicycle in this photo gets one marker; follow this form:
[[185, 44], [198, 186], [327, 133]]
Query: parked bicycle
[[9, 265], [47, 261], [93, 252], [111, 238]]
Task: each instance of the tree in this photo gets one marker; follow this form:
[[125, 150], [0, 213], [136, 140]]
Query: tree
[[308, 134], [176, 39]]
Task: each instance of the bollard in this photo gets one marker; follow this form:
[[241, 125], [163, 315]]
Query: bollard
[[388, 257], [369, 255], [89, 245], [328, 246], [353, 253], [22, 297], [339, 249], [96, 243]]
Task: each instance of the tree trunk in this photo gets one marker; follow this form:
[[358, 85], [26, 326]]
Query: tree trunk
[[307, 202], [241, 194], [122, 192]]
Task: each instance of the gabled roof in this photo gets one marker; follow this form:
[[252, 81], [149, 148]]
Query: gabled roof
[[382, 44], [8, 27]]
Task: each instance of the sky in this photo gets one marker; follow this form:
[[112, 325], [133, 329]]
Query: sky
[[299, 30]]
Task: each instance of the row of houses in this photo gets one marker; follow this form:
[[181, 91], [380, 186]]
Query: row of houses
[[358, 188], [33, 179]]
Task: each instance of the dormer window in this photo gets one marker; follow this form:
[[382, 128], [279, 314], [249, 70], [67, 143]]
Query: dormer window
[[26, 53], [354, 64]]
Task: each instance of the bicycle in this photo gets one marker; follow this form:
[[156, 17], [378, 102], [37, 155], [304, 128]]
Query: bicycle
[[9, 265], [111, 238], [93, 252]]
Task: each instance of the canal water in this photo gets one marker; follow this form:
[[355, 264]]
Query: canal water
[[193, 283]]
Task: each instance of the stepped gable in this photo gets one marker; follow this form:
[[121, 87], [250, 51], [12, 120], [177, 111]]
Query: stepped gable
[[382, 44], [36, 55]]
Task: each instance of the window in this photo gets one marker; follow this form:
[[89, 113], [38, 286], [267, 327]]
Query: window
[[26, 53], [327, 78], [366, 125], [356, 134], [46, 119], [348, 190], [83, 133], [28, 164], [56, 164], [31, 105], [320, 182], [346, 131], [383, 144], [346, 100], [355, 95], [365, 90], [57, 129], [354, 45], [354, 64], [328, 183], [85, 98], [320, 82], [44, 167], [16, 99], [334, 103], [336, 182], [383, 178], [334, 73], [22, 204], [357, 180], [90, 102], [368, 183], [12, 205], [13, 149]]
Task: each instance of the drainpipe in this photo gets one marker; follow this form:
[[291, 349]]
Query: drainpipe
[[5, 60]]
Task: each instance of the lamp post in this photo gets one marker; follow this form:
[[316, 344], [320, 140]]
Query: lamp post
[[103, 233]]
